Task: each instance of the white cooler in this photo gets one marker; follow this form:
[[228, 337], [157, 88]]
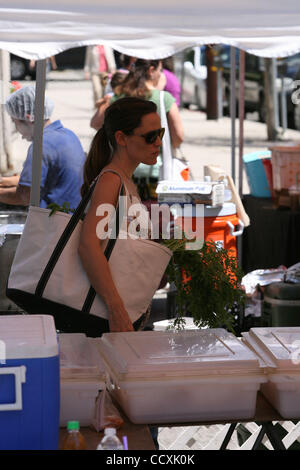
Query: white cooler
[[82, 376], [279, 349], [184, 376]]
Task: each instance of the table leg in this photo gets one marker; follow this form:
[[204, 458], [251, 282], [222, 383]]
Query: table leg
[[273, 437], [259, 438], [228, 436]]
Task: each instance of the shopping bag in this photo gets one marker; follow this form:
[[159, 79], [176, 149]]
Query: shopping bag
[[47, 276]]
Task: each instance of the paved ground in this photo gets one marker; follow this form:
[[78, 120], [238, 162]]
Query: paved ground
[[206, 142]]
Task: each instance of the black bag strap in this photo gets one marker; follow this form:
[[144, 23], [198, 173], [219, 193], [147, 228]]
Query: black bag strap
[[108, 250], [65, 236]]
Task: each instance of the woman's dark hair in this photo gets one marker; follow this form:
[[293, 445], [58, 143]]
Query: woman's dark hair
[[124, 115], [135, 82], [117, 79]]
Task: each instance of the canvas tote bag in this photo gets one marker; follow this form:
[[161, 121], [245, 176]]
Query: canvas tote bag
[[47, 276]]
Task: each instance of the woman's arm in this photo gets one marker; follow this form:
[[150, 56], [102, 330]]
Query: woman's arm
[[175, 126], [92, 254], [98, 118]]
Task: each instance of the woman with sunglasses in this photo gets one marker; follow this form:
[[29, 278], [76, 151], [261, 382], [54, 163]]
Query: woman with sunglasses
[[131, 134], [142, 82]]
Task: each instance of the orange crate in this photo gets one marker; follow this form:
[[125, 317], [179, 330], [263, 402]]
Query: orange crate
[[285, 166]]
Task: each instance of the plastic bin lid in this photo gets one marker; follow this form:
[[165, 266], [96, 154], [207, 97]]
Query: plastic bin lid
[[254, 156], [180, 353], [79, 357], [280, 344], [27, 337]]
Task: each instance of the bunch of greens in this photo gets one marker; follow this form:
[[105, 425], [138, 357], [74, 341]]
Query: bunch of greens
[[207, 284], [57, 208]]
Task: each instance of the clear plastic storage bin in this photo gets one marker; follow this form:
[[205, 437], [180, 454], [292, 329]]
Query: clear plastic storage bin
[[181, 376], [82, 377], [279, 351]]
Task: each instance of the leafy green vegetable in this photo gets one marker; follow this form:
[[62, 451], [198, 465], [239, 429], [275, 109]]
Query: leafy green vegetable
[[207, 282], [57, 208]]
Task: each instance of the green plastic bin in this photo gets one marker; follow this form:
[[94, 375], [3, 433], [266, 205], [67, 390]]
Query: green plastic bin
[[281, 305]]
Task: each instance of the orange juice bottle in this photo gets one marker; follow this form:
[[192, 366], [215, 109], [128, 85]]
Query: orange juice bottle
[[74, 439]]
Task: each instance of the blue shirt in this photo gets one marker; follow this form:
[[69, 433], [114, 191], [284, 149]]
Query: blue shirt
[[62, 166]]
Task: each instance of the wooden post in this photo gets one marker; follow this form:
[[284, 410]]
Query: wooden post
[[269, 79], [211, 85]]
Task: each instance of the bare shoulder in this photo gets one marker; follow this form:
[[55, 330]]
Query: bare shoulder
[[107, 189]]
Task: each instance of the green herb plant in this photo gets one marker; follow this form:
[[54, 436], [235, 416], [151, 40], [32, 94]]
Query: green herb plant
[[207, 284], [57, 208]]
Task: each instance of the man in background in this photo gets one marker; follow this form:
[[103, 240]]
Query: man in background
[[62, 156]]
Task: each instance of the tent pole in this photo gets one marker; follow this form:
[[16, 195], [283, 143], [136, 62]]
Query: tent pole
[[232, 108], [241, 119], [241, 141], [38, 132]]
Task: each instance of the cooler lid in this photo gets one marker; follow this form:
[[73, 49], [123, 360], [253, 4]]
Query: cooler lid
[[281, 344], [227, 208], [27, 337], [179, 353], [79, 357]]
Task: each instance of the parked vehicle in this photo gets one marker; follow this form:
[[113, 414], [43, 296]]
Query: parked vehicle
[[287, 69], [191, 70], [190, 67], [71, 58], [20, 69]]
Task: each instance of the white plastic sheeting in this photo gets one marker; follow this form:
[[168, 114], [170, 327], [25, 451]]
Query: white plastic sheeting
[[156, 29]]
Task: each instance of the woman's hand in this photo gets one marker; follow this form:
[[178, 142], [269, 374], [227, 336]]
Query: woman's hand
[[9, 181], [119, 319]]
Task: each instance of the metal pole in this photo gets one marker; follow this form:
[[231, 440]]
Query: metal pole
[[38, 132], [241, 141], [283, 106], [275, 94], [220, 93], [241, 119], [232, 108]]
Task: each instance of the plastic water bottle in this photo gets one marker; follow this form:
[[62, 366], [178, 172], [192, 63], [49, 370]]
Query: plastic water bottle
[[74, 439], [110, 441]]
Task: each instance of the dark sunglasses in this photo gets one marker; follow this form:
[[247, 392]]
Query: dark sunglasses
[[151, 136]]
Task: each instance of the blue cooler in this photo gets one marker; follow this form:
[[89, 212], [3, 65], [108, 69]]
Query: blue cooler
[[29, 383], [256, 174]]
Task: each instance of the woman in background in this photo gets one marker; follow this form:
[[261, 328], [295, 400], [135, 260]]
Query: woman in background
[[142, 82]]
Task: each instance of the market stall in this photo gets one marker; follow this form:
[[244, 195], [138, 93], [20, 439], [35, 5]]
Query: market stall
[[38, 33], [268, 29]]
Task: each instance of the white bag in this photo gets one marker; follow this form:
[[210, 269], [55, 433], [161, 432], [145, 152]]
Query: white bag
[[173, 168], [47, 275]]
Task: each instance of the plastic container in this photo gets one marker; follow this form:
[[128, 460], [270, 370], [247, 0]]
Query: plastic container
[[29, 383], [11, 229], [182, 376], [279, 350], [267, 163], [110, 441], [74, 439], [219, 224], [285, 166], [256, 175], [281, 305], [82, 377], [164, 325]]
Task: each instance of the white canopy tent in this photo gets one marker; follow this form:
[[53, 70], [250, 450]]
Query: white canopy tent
[[269, 29]]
